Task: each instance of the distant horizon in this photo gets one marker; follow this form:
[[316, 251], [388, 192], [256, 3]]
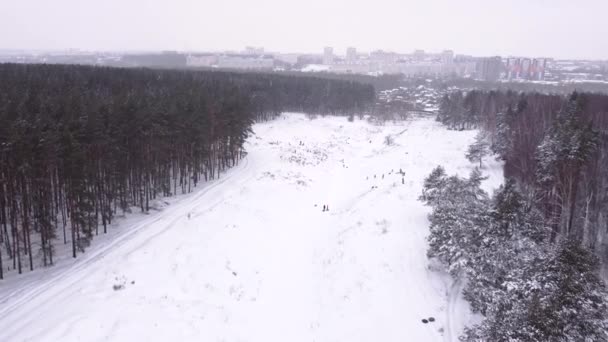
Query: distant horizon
[[337, 52], [560, 29]]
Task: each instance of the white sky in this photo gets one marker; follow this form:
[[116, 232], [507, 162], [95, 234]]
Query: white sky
[[551, 28]]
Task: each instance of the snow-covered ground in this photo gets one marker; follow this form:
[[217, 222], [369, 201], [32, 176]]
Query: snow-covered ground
[[315, 68], [252, 256]]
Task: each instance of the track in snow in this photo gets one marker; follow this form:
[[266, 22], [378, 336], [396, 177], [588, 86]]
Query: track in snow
[[252, 257]]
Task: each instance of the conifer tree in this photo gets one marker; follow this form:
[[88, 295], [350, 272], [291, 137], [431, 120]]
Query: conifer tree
[[478, 149]]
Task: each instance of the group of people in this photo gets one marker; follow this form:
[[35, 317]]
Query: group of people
[[325, 207], [401, 172]]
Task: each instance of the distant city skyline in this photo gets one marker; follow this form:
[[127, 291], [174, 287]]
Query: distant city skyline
[[336, 52], [560, 29]]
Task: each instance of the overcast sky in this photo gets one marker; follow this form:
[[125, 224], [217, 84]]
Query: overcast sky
[[551, 28]]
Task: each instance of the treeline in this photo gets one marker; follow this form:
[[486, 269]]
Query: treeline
[[80, 145], [313, 95], [544, 268], [526, 287], [555, 147], [562, 88], [380, 82]]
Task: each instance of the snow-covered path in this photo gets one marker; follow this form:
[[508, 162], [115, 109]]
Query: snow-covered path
[[252, 257]]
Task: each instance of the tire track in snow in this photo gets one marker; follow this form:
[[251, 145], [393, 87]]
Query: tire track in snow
[[451, 312]]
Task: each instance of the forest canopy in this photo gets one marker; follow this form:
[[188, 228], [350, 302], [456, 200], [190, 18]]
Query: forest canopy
[[80, 144]]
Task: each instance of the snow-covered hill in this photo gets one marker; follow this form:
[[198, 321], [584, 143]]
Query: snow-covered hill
[[253, 257]]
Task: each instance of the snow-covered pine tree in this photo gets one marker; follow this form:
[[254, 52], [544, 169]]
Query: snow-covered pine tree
[[514, 236], [502, 144], [577, 309], [478, 149], [433, 185], [474, 185], [444, 109], [508, 208], [456, 234], [555, 296], [452, 113], [562, 155], [457, 111], [460, 214]]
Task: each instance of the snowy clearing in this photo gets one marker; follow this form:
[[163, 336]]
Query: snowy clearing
[[253, 257]]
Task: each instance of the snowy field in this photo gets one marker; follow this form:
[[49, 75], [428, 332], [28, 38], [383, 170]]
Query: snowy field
[[252, 256]]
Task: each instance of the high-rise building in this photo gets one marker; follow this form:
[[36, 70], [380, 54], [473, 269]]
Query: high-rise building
[[526, 63], [526, 69], [447, 57], [513, 68], [252, 50], [537, 70], [489, 68], [419, 55], [351, 54], [328, 55], [383, 56]]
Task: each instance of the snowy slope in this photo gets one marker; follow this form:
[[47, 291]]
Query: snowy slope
[[252, 257]]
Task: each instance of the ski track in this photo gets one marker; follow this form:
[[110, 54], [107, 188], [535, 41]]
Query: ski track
[[251, 256]]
